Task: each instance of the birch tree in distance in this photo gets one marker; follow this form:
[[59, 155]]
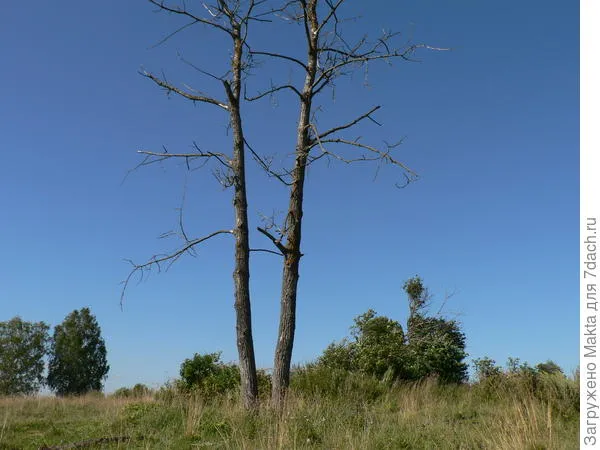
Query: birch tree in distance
[[328, 56]]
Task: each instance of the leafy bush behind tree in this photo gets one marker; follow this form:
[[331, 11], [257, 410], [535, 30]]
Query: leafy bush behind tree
[[208, 375]]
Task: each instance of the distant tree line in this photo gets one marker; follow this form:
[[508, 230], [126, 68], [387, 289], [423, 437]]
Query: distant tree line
[[76, 354]]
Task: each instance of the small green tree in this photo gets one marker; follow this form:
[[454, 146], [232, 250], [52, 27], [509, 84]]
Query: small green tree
[[78, 355], [436, 346], [23, 346]]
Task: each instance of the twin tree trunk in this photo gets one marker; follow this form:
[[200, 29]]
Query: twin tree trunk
[[334, 56]]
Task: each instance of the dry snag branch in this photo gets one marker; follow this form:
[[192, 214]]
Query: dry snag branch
[[327, 56]]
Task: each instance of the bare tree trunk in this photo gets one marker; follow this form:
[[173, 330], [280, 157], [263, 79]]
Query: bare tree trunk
[[291, 266], [224, 16], [241, 274]]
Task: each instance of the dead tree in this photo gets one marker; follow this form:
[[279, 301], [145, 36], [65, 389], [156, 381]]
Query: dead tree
[[231, 18], [328, 56]]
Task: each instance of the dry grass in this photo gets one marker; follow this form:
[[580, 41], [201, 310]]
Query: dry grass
[[411, 416]]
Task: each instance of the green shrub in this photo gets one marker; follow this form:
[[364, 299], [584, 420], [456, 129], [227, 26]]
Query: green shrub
[[122, 392], [170, 391], [138, 391], [340, 355], [264, 383], [207, 375], [318, 381], [432, 346]]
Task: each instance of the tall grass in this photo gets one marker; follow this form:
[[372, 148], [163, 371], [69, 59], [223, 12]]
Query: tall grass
[[325, 409]]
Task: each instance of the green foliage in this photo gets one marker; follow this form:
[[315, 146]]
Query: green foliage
[[379, 343], [138, 391], [122, 392], [78, 355], [520, 380], [207, 375], [437, 347], [433, 346], [340, 355], [264, 383], [135, 413], [22, 349], [549, 367], [418, 296], [319, 381], [170, 391], [486, 368]]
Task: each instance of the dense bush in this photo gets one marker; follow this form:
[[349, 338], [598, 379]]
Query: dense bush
[[432, 346], [436, 347], [206, 374], [486, 368], [137, 391]]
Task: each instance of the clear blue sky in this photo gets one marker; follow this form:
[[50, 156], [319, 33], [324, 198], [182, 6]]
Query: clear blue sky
[[492, 127]]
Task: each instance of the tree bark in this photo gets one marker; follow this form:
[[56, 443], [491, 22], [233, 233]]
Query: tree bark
[[241, 274], [291, 266]]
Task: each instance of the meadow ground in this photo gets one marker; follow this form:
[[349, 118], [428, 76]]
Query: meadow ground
[[350, 413]]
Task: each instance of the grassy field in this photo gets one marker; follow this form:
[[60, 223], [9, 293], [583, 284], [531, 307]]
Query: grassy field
[[358, 413]]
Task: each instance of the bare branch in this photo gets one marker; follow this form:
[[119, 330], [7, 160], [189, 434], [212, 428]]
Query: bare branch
[[272, 91], [280, 56], [157, 260], [184, 12], [376, 155], [222, 158], [264, 250], [366, 115], [266, 166], [277, 242], [351, 59], [170, 35], [332, 10], [203, 72], [195, 98]]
